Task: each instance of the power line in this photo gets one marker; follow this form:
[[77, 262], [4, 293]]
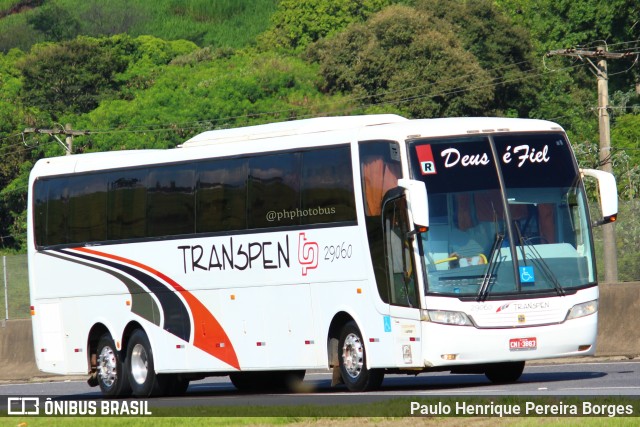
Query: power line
[[67, 131], [171, 127]]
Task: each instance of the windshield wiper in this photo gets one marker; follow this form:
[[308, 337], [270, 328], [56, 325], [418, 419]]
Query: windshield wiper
[[539, 262], [494, 262]]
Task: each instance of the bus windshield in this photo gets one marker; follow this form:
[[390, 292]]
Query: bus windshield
[[508, 216]]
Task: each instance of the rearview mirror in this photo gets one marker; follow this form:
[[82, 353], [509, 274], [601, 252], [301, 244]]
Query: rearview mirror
[[608, 194], [417, 201]]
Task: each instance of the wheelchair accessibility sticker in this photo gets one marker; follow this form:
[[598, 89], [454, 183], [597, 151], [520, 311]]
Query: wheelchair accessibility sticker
[[387, 323], [527, 276]]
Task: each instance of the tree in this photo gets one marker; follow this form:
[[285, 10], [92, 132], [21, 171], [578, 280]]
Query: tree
[[193, 95], [407, 58], [69, 77], [298, 23], [502, 48], [56, 23], [74, 76]]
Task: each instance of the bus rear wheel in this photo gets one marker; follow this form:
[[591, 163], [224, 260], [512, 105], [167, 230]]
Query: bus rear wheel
[[111, 374], [504, 373], [140, 368], [352, 359]]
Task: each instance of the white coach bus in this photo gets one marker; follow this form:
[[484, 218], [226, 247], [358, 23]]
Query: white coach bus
[[366, 244]]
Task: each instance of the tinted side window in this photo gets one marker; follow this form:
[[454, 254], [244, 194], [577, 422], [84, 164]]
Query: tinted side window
[[40, 204], [222, 196], [274, 187], [170, 201], [87, 208], [58, 212], [327, 186], [127, 202]]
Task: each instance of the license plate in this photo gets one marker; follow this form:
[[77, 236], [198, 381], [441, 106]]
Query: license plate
[[519, 344]]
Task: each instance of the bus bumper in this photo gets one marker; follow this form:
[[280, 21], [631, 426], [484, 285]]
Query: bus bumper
[[448, 345]]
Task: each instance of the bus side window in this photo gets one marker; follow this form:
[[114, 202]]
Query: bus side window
[[58, 212], [221, 203], [170, 204], [41, 204], [273, 187], [87, 208], [126, 205], [327, 186]]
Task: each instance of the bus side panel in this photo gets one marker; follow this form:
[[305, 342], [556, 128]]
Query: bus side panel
[[270, 327], [290, 328], [65, 310]]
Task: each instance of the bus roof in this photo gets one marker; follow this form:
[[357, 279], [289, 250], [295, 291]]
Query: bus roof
[[234, 141], [294, 127]]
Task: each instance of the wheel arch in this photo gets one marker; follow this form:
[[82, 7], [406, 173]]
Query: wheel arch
[[128, 330], [333, 335], [98, 330], [95, 333]]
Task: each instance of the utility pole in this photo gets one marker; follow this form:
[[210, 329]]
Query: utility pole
[[67, 131], [610, 257]]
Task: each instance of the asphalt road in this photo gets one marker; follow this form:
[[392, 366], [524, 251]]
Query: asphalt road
[[602, 378]]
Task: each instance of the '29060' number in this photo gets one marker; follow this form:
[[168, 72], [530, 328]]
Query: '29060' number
[[341, 251]]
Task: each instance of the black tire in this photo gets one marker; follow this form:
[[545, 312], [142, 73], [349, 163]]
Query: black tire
[[256, 382], [353, 361], [246, 382], [111, 375], [140, 368], [172, 385], [504, 373]]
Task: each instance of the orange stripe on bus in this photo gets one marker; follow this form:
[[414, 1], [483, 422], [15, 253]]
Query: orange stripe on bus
[[207, 330]]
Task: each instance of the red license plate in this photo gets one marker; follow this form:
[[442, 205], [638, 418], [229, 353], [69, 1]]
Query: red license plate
[[518, 344]]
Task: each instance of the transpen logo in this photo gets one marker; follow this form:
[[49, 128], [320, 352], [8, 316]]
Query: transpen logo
[[502, 308], [425, 157], [307, 254]]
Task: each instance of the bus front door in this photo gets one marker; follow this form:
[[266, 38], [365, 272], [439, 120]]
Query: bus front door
[[402, 286]]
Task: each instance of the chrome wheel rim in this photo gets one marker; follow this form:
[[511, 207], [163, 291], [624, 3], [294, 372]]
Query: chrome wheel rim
[[353, 355], [107, 367], [139, 364]]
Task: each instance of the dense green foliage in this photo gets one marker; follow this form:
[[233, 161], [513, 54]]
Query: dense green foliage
[[219, 23], [139, 74], [296, 23]]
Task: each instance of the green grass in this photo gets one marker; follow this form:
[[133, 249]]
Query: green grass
[[383, 413], [329, 421], [5, 5], [216, 23]]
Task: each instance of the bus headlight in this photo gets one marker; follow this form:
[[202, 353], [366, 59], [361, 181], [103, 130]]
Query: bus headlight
[[584, 309], [446, 317]]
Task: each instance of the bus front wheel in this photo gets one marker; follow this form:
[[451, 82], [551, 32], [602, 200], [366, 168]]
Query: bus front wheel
[[112, 377], [504, 373], [352, 359]]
